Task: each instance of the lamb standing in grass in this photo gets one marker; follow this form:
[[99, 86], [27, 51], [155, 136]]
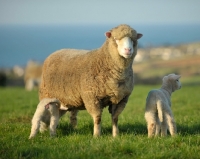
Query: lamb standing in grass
[[158, 112], [48, 112], [92, 81]]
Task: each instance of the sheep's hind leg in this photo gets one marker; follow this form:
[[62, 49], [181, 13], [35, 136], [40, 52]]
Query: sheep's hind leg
[[164, 127], [157, 127], [54, 110], [43, 127], [151, 123], [171, 123], [35, 126]]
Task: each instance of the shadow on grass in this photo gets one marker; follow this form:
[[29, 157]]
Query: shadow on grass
[[188, 130], [133, 128], [128, 128], [67, 129]]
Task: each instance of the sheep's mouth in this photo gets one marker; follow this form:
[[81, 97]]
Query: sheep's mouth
[[127, 55]]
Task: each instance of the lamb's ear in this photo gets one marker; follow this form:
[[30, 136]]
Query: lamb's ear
[[165, 78], [173, 76], [108, 34], [177, 77], [139, 35]]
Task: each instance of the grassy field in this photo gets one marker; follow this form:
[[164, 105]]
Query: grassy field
[[18, 106]]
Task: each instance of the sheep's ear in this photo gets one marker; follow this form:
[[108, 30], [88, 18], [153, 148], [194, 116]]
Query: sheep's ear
[[139, 36], [177, 77], [165, 78], [108, 34]]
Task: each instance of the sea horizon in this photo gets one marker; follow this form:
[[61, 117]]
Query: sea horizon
[[19, 44]]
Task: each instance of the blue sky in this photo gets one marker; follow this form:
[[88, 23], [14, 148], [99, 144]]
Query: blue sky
[[57, 12]]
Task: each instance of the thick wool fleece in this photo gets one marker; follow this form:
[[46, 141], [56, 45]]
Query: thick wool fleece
[[100, 75], [91, 80]]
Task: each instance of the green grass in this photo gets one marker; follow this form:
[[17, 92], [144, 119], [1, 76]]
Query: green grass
[[18, 106]]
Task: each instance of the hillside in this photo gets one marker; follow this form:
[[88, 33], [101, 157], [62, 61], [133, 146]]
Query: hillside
[[182, 59]]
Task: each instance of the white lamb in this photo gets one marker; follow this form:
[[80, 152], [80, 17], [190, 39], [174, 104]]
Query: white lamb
[[48, 112], [158, 112]]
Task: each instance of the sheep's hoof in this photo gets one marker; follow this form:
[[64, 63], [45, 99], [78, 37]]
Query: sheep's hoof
[[96, 135], [30, 137], [53, 135]]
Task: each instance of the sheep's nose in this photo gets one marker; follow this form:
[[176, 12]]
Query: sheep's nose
[[127, 49]]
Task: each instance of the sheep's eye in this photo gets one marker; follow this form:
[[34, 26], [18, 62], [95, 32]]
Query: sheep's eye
[[177, 80]]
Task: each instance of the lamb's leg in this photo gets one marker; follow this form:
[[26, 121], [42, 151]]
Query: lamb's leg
[[151, 123], [157, 127], [43, 126], [73, 118], [36, 123], [116, 111], [54, 111], [171, 123], [37, 118], [164, 127]]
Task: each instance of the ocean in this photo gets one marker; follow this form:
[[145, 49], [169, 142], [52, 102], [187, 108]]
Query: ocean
[[18, 44]]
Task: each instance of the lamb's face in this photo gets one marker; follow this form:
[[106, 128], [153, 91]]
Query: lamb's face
[[177, 83], [125, 47], [173, 80]]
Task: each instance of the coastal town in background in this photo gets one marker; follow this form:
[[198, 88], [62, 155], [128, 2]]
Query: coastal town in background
[[150, 64]]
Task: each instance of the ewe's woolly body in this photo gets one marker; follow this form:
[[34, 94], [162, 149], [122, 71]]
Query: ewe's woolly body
[[90, 80], [101, 73]]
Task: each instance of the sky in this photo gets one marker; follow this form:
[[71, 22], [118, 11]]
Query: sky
[[51, 12]]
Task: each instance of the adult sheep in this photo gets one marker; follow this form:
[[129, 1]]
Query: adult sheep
[[92, 81]]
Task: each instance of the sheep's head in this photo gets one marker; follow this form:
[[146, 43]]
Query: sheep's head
[[172, 81], [125, 38]]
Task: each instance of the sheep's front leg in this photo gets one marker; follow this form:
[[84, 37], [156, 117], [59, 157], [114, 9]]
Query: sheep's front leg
[[116, 111], [94, 109], [73, 118], [97, 125]]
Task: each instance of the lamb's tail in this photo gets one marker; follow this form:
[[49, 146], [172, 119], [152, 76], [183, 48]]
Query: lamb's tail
[[160, 112]]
